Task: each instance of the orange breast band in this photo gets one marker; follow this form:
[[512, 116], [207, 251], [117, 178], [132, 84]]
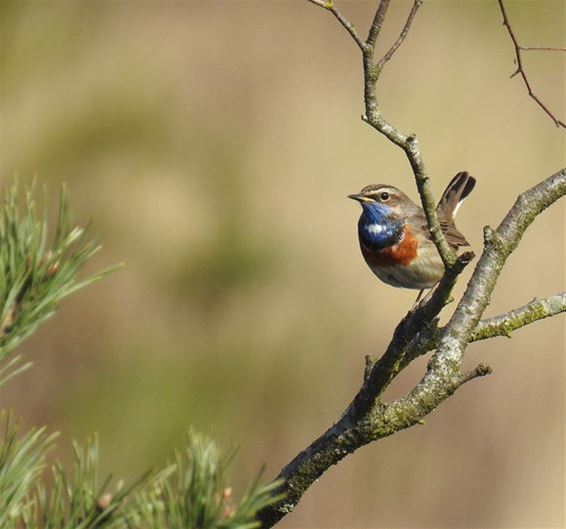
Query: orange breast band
[[402, 253]]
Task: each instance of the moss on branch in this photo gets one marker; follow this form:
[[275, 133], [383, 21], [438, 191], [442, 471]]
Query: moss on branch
[[368, 418], [505, 324]]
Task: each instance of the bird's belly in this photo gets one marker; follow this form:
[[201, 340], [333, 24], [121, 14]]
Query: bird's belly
[[418, 268]]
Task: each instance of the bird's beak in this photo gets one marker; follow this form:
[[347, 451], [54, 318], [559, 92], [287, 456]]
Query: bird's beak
[[359, 197]]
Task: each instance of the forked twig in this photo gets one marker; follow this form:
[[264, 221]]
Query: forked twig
[[404, 32], [369, 418], [373, 117], [520, 69], [346, 24]]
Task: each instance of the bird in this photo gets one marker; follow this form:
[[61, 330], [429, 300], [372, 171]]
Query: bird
[[394, 237]]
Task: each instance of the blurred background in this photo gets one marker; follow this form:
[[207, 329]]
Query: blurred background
[[213, 145]]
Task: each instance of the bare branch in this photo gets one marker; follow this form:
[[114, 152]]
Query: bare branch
[[378, 19], [520, 69], [346, 24], [368, 418], [502, 325], [505, 324], [415, 335], [499, 245], [404, 32], [540, 48], [442, 378], [410, 146], [480, 370], [408, 143], [373, 117]]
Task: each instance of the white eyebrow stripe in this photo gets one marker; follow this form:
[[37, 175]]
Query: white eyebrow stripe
[[375, 228]]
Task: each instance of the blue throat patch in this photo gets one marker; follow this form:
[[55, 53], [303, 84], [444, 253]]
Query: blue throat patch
[[378, 228]]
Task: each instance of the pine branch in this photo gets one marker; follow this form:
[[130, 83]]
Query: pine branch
[[195, 495], [77, 499], [22, 459], [190, 493], [35, 275]]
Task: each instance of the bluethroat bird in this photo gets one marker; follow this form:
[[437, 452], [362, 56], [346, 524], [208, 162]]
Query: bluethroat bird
[[394, 235]]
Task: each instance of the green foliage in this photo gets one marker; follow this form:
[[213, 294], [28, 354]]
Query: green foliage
[[22, 459], [35, 274], [191, 492], [196, 494], [77, 500]]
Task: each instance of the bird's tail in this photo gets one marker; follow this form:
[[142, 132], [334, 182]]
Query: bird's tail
[[457, 190]]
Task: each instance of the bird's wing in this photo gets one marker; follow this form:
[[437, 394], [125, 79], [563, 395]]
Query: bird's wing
[[453, 236]]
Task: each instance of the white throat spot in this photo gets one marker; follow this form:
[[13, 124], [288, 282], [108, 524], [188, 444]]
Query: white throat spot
[[375, 228]]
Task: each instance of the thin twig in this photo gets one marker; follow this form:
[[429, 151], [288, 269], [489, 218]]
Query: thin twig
[[480, 370], [378, 19], [521, 71], [404, 32], [373, 117], [348, 26], [408, 143], [442, 377], [540, 48], [368, 418]]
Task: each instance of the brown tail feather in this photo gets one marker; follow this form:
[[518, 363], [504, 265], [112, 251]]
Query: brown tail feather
[[457, 190]]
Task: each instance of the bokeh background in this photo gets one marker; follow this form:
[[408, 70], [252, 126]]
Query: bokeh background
[[213, 144]]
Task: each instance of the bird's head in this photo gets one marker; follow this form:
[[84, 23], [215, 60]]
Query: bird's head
[[384, 199], [385, 211]]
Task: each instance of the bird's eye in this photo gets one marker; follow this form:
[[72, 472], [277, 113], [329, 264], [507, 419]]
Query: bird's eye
[[384, 197]]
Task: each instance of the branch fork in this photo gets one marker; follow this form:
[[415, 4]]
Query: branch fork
[[368, 418], [520, 69]]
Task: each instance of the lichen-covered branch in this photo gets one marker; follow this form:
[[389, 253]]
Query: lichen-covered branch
[[442, 377], [505, 324], [501, 325], [368, 417], [358, 425]]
